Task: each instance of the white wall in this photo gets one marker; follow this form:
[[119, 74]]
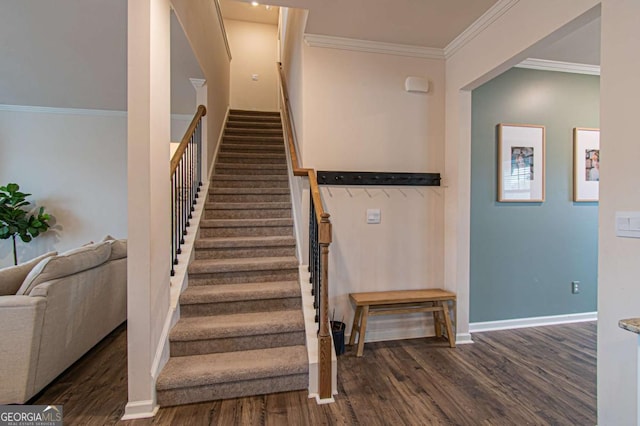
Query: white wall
[[149, 245], [357, 116], [618, 289], [254, 49], [292, 52], [180, 123], [74, 165], [201, 25]]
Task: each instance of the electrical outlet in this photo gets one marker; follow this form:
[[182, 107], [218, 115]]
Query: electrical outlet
[[575, 287]]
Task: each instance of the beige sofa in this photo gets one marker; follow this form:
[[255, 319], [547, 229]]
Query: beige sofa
[[64, 306]]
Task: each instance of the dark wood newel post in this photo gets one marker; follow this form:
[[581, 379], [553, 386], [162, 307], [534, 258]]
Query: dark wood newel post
[[324, 338]]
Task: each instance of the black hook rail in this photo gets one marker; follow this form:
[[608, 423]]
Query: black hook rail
[[378, 178]]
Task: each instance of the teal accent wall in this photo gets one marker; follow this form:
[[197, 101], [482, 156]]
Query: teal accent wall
[[524, 256]]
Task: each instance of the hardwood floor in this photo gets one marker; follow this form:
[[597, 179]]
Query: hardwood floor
[[533, 376]]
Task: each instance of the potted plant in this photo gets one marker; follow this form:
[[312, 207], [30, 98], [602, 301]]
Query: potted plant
[[16, 220]]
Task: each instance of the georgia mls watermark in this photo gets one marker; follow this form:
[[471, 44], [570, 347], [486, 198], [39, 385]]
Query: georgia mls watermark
[[30, 415]]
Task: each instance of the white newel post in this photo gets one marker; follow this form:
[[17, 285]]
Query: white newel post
[[200, 85], [149, 245]]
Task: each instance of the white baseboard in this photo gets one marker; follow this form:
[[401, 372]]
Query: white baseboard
[[478, 327], [322, 401], [220, 136], [463, 339], [140, 410]]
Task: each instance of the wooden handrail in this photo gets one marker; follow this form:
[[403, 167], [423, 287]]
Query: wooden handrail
[[175, 160], [321, 215], [323, 241]]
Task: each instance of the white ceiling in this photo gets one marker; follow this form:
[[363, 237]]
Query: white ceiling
[[73, 54], [242, 11], [581, 46], [428, 23]]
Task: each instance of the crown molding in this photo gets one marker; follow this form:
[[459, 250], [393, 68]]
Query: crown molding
[[343, 43], [546, 65], [224, 30], [66, 111], [473, 30]]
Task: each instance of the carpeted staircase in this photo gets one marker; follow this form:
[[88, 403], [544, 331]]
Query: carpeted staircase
[[241, 330]]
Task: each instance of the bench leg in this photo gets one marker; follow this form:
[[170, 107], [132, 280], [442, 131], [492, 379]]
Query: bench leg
[[362, 331], [356, 325], [436, 323], [447, 323]]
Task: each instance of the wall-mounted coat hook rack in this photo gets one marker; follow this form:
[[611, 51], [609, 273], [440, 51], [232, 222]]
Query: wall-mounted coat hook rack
[[378, 178]]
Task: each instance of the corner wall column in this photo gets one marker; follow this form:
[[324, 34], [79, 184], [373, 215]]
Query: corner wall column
[[149, 112]]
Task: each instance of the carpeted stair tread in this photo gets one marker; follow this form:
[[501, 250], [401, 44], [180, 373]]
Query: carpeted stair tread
[[252, 155], [208, 266], [238, 111], [237, 147], [239, 292], [262, 139], [245, 223], [237, 325], [265, 166], [255, 118], [226, 242], [247, 206], [240, 191], [201, 370], [254, 124], [251, 178], [252, 132]]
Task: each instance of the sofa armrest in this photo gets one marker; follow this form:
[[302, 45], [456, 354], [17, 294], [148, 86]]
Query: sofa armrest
[[21, 318]]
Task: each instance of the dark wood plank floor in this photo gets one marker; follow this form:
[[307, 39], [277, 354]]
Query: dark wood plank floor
[[533, 376]]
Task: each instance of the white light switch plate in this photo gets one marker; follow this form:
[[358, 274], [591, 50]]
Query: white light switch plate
[[373, 215], [628, 224]]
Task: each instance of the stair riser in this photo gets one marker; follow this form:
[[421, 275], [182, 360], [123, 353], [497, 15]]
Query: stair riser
[[251, 149], [249, 198], [253, 140], [243, 277], [265, 231], [225, 183], [231, 253], [240, 307], [239, 159], [253, 125], [233, 390], [247, 214], [234, 344], [255, 118], [253, 132], [244, 112], [240, 171]]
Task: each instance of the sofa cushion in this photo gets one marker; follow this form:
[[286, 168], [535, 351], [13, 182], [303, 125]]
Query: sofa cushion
[[11, 278], [118, 247], [65, 264]]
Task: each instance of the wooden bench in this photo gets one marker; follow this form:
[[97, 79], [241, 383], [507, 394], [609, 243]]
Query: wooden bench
[[403, 302]]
